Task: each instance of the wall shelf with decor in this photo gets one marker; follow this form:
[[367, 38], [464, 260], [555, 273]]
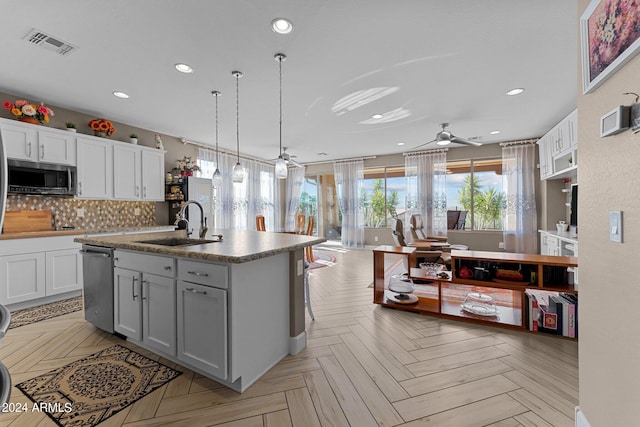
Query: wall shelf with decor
[[482, 287]]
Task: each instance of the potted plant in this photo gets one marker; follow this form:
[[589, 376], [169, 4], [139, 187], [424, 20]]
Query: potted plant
[[24, 111], [71, 127], [187, 166], [133, 138], [102, 127]]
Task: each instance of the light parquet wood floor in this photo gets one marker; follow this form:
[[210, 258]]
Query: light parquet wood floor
[[364, 366]]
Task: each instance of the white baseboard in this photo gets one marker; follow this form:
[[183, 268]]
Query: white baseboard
[[581, 420], [297, 344]]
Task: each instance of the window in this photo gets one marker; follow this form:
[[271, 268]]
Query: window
[[475, 186], [383, 195], [308, 205]]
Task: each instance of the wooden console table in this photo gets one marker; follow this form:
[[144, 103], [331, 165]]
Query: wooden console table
[[443, 297]]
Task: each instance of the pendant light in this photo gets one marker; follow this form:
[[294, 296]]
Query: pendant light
[[238, 172], [217, 175], [281, 164]]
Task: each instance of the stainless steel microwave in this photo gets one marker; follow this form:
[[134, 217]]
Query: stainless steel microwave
[[26, 177]]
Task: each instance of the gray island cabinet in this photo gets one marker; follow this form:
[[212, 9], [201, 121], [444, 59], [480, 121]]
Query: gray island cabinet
[[228, 310]]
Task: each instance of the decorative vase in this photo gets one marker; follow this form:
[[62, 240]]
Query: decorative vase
[[134, 140], [31, 120], [100, 133]]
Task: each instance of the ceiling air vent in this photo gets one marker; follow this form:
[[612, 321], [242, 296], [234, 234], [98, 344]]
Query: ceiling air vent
[[39, 38]]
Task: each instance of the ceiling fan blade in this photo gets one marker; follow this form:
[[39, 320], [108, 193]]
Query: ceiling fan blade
[[422, 145], [296, 164], [459, 140]]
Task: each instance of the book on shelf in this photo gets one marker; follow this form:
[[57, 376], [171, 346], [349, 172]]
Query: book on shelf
[[573, 313], [560, 307], [531, 311]]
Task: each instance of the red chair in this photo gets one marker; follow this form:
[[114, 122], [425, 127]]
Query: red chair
[[260, 223], [308, 250]]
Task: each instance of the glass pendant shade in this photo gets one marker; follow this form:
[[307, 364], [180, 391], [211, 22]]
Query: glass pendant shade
[[281, 168], [217, 177], [238, 173]]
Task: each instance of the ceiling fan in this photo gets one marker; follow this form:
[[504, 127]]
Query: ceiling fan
[[445, 137], [288, 158]]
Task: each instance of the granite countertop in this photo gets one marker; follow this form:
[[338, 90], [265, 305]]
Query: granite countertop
[[78, 232], [236, 246]]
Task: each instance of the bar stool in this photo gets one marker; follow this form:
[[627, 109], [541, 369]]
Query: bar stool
[[300, 221], [260, 223], [308, 251]]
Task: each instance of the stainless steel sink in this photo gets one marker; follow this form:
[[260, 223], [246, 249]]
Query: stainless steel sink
[[177, 241]]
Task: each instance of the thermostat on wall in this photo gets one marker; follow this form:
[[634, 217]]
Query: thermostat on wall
[[614, 121]]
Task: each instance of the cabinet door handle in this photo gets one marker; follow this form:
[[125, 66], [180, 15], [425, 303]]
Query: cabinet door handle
[[196, 291], [144, 191], [137, 191], [80, 188], [167, 267], [196, 273], [42, 151], [133, 287], [29, 149]]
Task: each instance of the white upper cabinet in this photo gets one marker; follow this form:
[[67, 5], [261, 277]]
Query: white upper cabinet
[[127, 172], [26, 142], [95, 169], [152, 175], [559, 149]]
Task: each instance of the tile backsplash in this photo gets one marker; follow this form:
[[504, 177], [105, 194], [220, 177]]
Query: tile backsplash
[[98, 214]]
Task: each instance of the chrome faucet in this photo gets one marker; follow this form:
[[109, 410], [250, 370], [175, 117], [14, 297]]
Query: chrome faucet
[[182, 221]]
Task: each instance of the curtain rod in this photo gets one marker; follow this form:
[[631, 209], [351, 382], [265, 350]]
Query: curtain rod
[[222, 151], [322, 162], [435, 150], [520, 142]]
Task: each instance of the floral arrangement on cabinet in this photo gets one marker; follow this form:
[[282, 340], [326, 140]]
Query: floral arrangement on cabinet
[[187, 166], [26, 111], [102, 127]]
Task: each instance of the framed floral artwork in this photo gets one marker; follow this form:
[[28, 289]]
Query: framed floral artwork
[[610, 33]]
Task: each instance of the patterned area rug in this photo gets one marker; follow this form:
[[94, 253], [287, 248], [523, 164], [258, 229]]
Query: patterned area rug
[[322, 260], [45, 311], [90, 390]]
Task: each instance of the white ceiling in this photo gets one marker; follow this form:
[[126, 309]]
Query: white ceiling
[[451, 61]]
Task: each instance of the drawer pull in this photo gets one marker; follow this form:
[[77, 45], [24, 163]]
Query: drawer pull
[[196, 273], [196, 292], [167, 267]]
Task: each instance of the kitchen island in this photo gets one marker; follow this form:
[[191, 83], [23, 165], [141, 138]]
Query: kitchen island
[[229, 310]]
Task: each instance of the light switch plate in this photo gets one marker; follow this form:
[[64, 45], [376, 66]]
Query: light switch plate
[[80, 212], [615, 226]]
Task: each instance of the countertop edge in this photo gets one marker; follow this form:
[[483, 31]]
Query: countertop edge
[[195, 251]]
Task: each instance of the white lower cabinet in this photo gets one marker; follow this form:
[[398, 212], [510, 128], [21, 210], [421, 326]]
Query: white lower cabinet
[[63, 271], [202, 327], [22, 277], [38, 267], [145, 303]]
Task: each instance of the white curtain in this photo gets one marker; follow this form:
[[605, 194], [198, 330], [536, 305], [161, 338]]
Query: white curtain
[[207, 161], [349, 178], [294, 180], [519, 209], [426, 175], [236, 205]]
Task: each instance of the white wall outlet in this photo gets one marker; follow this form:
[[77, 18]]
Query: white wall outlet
[[80, 212], [375, 238], [300, 267], [615, 226], [136, 212], [500, 245]]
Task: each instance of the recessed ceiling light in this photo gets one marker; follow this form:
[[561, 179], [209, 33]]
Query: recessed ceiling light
[[122, 95], [281, 26], [515, 91], [376, 116], [184, 68], [494, 132], [400, 143]]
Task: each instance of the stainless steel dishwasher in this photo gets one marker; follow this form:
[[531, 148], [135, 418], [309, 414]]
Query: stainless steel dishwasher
[[97, 268]]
